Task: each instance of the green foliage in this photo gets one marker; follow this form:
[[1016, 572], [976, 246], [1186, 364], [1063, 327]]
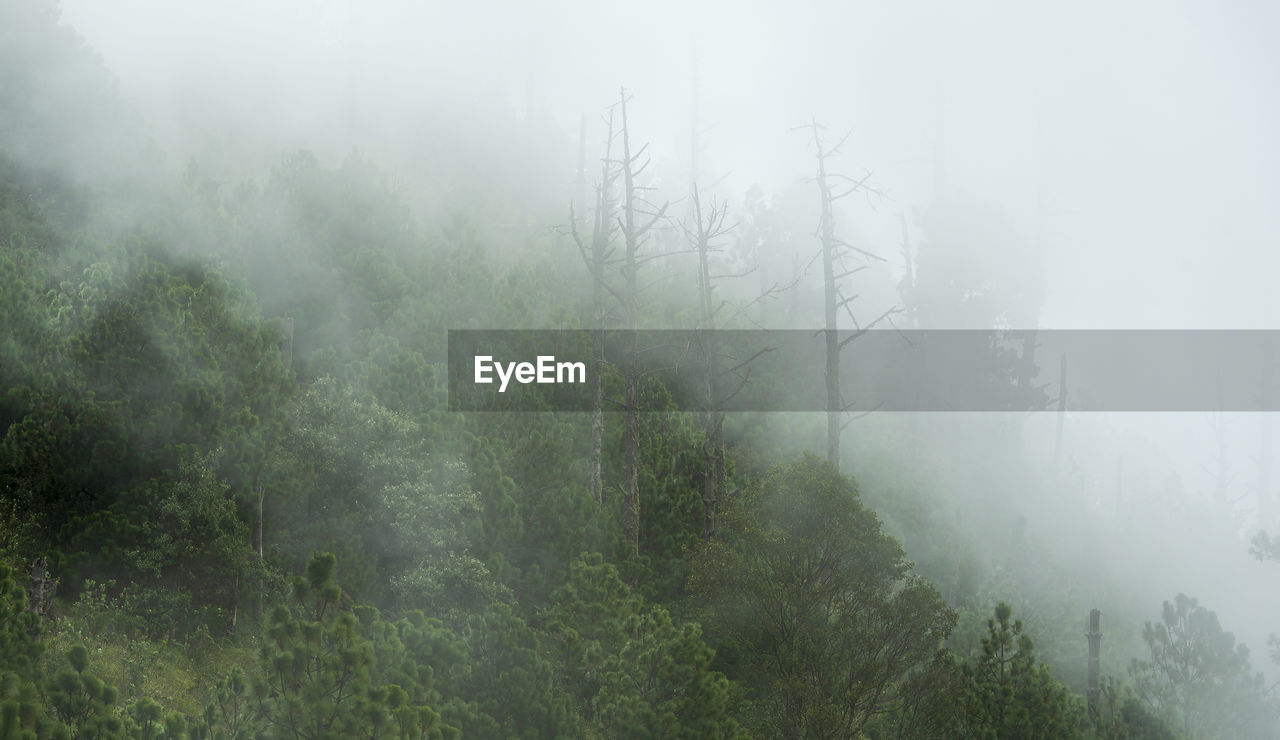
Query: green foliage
[[137, 415], [632, 669], [81, 702], [20, 647], [1198, 678], [1121, 715], [1008, 694], [670, 491], [328, 670], [146, 400], [20, 651], [316, 665], [507, 679], [359, 477], [812, 607]]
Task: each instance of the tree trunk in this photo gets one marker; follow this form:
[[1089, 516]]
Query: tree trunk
[[41, 588], [1093, 689], [595, 259], [595, 479], [257, 539], [830, 301], [631, 436], [631, 441], [713, 447], [1265, 434]]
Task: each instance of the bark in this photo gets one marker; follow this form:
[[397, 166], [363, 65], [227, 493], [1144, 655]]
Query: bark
[[830, 303], [633, 232], [41, 586], [257, 538], [713, 448], [631, 435], [595, 257]]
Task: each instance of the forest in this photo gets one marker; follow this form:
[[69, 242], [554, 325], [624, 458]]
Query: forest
[[235, 499]]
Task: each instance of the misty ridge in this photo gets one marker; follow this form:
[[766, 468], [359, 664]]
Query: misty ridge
[[844, 281]]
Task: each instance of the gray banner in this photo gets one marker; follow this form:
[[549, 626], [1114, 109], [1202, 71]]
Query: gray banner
[[879, 370]]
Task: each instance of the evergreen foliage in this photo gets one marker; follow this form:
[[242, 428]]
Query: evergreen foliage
[[1198, 678], [216, 398], [812, 607]]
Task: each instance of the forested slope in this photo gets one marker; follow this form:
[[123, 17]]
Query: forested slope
[[225, 439]]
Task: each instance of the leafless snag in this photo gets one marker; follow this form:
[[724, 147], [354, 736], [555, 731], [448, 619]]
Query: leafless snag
[[597, 256], [709, 225], [834, 251], [637, 219]]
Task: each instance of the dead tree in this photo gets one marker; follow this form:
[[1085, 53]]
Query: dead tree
[[836, 255], [1092, 688], [706, 229], [42, 589], [597, 257], [1265, 434], [719, 386], [259, 491], [705, 232], [634, 218], [636, 221]]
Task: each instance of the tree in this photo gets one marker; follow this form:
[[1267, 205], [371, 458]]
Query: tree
[[597, 258], [708, 227], [636, 221], [316, 665], [835, 253], [1200, 677], [1008, 694], [634, 670], [812, 606], [148, 367], [359, 477], [20, 651], [81, 702], [1121, 715], [972, 270]]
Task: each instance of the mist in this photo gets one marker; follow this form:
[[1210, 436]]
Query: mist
[[1028, 166], [1130, 141]]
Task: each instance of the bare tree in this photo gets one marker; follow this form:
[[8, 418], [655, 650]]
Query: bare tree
[[836, 256], [706, 229], [597, 256], [724, 374], [634, 218], [636, 221]]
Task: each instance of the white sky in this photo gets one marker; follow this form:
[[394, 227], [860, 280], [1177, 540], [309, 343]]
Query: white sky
[[1151, 125]]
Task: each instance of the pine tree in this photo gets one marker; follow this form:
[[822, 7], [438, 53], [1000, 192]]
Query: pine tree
[[1008, 694]]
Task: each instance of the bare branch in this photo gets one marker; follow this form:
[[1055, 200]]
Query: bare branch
[[854, 271], [746, 378], [865, 253], [833, 151], [862, 415], [747, 361], [872, 325], [661, 211], [651, 257], [733, 275]]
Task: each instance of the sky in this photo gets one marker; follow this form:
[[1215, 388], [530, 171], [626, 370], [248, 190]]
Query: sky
[[1134, 142]]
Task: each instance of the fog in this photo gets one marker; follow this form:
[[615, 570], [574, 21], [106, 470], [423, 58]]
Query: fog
[[1127, 151], [1136, 141]]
